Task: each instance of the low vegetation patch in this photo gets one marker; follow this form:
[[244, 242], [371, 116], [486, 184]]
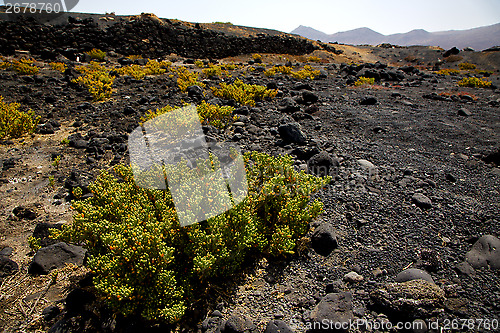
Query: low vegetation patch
[[97, 80], [363, 81], [245, 94], [153, 67], [58, 66], [15, 123], [448, 71], [466, 66], [96, 54], [474, 82], [22, 67], [144, 263], [186, 79], [210, 114]]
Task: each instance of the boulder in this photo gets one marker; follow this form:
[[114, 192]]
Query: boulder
[[56, 256], [485, 253]]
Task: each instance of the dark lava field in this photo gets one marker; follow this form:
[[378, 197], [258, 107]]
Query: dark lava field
[[409, 232]]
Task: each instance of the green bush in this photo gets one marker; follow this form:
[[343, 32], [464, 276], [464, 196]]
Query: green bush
[[96, 54], [474, 82], [243, 93], [15, 123], [145, 263], [185, 79], [364, 81], [466, 66], [210, 114], [306, 72], [153, 67], [23, 66], [97, 80]]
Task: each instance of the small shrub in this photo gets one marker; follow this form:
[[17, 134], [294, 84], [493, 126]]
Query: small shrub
[[15, 123], [314, 59], [96, 54], [278, 69], [213, 71], [245, 94], [186, 79], [22, 67], [362, 81], [466, 66], [145, 264], [134, 57], [97, 80], [153, 67], [448, 71], [257, 57], [306, 72], [474, 82], [215, 115], [199, 64], [58, 66]]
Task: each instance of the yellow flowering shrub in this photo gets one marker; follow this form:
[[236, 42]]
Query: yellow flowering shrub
[[245, 94], [97, 80], [185, 79], [364, 81], [15, 123], [145, 264], [474, 82], [210, 114]]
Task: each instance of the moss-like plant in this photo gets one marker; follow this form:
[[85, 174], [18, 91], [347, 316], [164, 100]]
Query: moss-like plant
[[96, 54], [97, 80], [210, 114], [474, 82], [15, 123], [22, 67], [466, 66], [306, 72], [362, 81], [243, 93], [145, 263], [153, 67], [314, 59], [185, 79], [448, 71], [58, 66], [278, 69]]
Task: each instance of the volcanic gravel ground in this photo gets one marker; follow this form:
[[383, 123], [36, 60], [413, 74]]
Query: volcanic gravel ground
[[405, 144]]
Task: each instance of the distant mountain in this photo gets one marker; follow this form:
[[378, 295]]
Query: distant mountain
[[478, 38]]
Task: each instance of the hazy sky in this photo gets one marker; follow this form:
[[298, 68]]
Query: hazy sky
[[384, 16]]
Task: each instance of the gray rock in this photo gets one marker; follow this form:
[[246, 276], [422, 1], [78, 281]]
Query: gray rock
[[485, 253], [334, 308], [368, 101], [421, 201], [353, 277], [291, 133], [464, 112], [465, 268], [323, 164], [413, 299], [236, 324], [324, 239], [7, 267], [413, 274], [278, 326], [24, 213], [56, 256], [366, 164]]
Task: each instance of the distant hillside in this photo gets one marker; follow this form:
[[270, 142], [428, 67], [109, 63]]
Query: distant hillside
[[478, 38]]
